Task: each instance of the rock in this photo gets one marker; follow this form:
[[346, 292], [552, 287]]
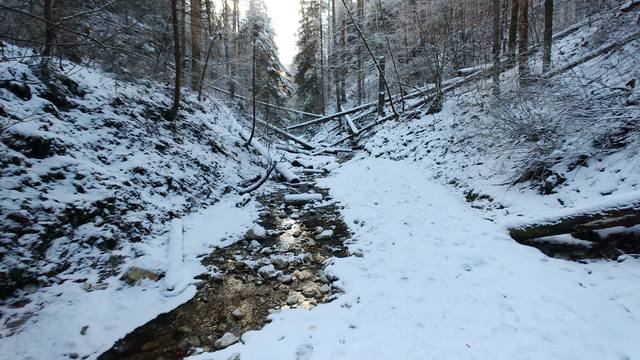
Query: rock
[[325, 234], [263, 261], [309, 291], [237, 314], [303, 275], [280, 262], [136, 274], [295, 216], [74, 355], [258, 232], [267, 271], [226, 340], [323, 279], [296, 233], [331, 277], [254, 245], [285, 279], [292, 299], [84, 329], [325, 289]]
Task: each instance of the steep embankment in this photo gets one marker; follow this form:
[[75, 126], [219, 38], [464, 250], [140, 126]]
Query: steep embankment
[[91, 171]]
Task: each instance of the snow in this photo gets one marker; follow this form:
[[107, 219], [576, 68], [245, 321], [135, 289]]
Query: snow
[[438, 281], [175, 255], [302, 198], [112, 312]]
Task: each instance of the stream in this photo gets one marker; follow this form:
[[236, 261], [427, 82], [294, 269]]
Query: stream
[[250, 279]]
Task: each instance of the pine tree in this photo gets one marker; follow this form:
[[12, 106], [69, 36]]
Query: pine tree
[[307, 74]]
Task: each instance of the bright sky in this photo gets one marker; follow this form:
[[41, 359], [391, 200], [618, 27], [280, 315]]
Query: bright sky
[[284, 15]]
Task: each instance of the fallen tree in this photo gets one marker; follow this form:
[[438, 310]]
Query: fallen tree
[[621, 212]]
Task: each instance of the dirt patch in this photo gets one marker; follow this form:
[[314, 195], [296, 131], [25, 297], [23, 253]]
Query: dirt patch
[[248, 280]]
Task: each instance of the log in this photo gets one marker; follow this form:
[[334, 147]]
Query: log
[[352, 126], [330, 117], [625, 213], [282, 168], [287, 135], [267, 104]]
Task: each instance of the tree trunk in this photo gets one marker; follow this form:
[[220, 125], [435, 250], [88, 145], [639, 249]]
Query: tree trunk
[[171, 115], [381, 70], [523, 44], [183, 36], [513, 33], [360, 55], [548, 35], [253, 87], [496, 48], [196, 35], [334, 57], [322, 82], [343, 63], [234, 51], [49, 29]]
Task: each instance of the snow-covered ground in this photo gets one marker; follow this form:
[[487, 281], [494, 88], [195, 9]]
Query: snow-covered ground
[[437, 281]]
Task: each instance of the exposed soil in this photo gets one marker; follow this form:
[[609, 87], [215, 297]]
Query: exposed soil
[[244, 289]]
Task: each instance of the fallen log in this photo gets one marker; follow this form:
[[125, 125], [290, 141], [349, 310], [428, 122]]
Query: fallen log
[[259, 183], [287, 135], [283, 169], [352, 126], [267, 104], [622, 212]]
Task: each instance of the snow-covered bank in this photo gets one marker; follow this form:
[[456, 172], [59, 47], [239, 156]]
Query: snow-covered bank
[[436, 281], [67, 319]]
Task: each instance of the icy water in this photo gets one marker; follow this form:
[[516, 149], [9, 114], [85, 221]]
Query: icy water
[[248, 289]]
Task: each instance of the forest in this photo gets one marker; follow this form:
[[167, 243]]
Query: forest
[[418, 179]]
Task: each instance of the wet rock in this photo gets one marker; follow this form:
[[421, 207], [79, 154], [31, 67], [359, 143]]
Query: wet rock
[[136, 274], [323, 278], [331, 277], [325, 289], [226, 340]]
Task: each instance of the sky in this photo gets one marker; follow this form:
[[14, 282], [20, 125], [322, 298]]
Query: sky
[[284, 15]]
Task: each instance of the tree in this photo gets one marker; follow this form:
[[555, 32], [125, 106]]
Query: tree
[[496, 47], [523, 30], [196, 34], [513, 32], [548, 35], [171, 115], [307, 74], [49, 30], [360, 55]]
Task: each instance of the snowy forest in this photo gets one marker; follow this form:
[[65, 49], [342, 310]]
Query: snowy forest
[[418, 179]]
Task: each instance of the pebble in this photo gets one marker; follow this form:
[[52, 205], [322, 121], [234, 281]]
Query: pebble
[[226, 340], [325, 289], [325, 234], [303, 275], [74, 355], [267, 271], [309, 291], [285, 279], [280, 263]]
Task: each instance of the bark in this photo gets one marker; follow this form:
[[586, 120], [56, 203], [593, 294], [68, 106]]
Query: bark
[[513, 33], [360, 55], [628, 215], [381, 70], [49, 29], [496, 48], [253, 89], [196, 35], [171, 115], [334, 57], [548, 35], [234, 51], [322, 82], [523, 30]]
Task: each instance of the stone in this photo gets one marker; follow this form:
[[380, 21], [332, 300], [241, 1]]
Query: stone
[[254, 245], [325, 235], [256, 233], [237, 314], [285, 279], [280, 262], [303, 275], [309, 290], [225, 341], [292, 299], [267, 271], [74, 355], [136, 274], [84, 329], [323, 278], [325, 289]]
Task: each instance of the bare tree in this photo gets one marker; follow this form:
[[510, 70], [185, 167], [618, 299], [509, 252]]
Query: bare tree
[[196, 35], [523, 30], [49, 29], [513, 32], [171, 115], [360, 55], [496, 47], [548, 35]]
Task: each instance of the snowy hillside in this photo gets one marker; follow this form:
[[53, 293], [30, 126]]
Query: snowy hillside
[[91, 175]]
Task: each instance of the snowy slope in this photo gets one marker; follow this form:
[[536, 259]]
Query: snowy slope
[[437, 281], [91, 175]]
